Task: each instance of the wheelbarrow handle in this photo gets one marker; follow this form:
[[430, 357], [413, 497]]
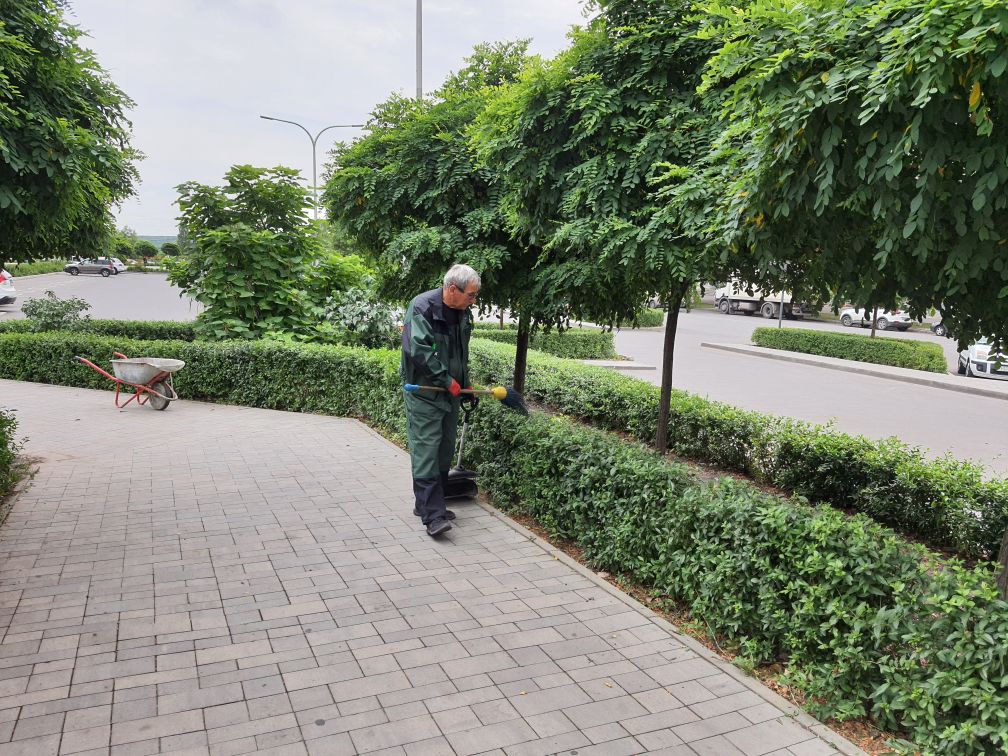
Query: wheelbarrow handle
[[91, 365]]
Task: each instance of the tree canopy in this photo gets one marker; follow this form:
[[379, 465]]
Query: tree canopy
[[868, 146], [65, 156]]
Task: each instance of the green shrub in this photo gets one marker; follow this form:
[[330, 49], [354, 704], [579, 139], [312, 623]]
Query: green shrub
[[50, 313], [129, 329], [650, 318], [573, 343], [863, 619], [35, 268], [905, 353], [945, 502], [9, 446]]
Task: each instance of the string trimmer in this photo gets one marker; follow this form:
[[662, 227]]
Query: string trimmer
[[507, 396]]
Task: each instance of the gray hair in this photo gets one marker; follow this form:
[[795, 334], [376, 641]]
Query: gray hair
[[461, 275]]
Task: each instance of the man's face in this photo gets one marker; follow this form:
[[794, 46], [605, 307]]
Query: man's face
[[460, 299]]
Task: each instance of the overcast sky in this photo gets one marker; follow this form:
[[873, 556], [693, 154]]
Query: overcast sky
[[202, 71]]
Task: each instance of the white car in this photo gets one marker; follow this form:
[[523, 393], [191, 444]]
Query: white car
[[980, 362], [850, 316], [117, 265], [8, 294]]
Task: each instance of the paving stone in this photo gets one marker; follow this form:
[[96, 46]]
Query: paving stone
[[259, 585]]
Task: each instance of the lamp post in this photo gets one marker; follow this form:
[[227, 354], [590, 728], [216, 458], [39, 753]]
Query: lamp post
[[314, 142], [419, 49]]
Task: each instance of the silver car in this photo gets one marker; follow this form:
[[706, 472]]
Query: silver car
[[979, 361]]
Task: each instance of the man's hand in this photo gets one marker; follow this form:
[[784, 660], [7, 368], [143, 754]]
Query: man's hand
[[455, 389], [471, 399]]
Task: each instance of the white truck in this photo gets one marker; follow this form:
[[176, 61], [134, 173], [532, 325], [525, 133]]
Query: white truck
[[733, 297]]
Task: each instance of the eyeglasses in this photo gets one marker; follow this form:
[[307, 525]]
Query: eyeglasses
[[469, 294]]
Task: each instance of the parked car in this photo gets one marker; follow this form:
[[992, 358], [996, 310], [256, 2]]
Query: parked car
[[8, 294], [979, 361], [850, 316], [938, 329], [117, 264], [104, 269]]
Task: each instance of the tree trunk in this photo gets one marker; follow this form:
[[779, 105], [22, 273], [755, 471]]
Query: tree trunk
[[1003, 561], [501, 313], [874, 319], [521, 353], [671, 323]]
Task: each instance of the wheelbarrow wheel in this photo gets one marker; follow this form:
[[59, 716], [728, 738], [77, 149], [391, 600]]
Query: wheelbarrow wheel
[[156, 401]]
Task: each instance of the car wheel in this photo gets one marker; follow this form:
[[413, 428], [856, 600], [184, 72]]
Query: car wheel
[[768, 310], [74, 271], [846, 321], [105, 273], [724, 305], [115, 271], [939, 330], [882, 324]]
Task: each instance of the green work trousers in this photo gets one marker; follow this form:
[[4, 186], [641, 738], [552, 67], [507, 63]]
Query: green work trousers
[[431, 432]]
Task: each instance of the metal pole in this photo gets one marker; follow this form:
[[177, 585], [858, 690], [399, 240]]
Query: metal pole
[[780, 311], [419, 49], [314, 142]]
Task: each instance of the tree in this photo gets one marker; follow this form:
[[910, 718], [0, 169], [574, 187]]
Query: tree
[[144, 250], [581, 143], [413, 196], [249, 246], [170, 249], [65, 157], [868, 146]]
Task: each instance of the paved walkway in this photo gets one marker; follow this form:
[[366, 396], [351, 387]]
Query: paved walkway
[[225, 580]]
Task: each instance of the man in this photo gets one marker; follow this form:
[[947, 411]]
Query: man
[[435, 352]]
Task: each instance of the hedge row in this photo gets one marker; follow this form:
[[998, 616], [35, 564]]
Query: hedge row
[[574, 343], [9, 446], [945, 502], [866, 621], [130, 329], [904, 353], [651, 318]]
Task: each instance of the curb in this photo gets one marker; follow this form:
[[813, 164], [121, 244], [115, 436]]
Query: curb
[[905, 375], [618, 364]]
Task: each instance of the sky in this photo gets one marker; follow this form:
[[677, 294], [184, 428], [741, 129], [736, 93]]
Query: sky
[[202, 72]]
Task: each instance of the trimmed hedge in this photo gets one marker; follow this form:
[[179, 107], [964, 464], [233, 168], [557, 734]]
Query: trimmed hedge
[[904, 353], [945, 502], [9, 446], [574, 343], [864, 619], [650, 318], [129, 329]]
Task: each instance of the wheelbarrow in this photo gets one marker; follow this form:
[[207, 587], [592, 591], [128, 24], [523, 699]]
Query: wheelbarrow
[[149, 377]]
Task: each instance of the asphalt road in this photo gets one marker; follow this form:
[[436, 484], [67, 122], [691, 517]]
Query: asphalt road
[[966, 426], [939, 421], [127, 296]]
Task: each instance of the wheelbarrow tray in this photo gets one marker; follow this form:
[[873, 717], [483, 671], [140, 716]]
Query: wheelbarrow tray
[[141, 370]]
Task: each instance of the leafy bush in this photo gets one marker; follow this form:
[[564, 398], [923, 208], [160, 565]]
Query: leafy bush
[[650, 318], [359, 318], [50, 313], [130, 329], [35, 268], [336, 273], [945, 502], [918, 355], [574, 343], [9, 446], [865, 621]]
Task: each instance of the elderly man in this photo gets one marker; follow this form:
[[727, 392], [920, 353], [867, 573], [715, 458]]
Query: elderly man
[[435, 352]]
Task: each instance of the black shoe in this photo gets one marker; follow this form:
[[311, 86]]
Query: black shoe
[[449, 515], [438, 527]]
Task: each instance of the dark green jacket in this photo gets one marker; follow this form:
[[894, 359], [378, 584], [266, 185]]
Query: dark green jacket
[[434, 351]]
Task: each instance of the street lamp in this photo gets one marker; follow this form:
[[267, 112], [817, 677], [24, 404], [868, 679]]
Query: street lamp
[[419, 49], [314, 142]]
